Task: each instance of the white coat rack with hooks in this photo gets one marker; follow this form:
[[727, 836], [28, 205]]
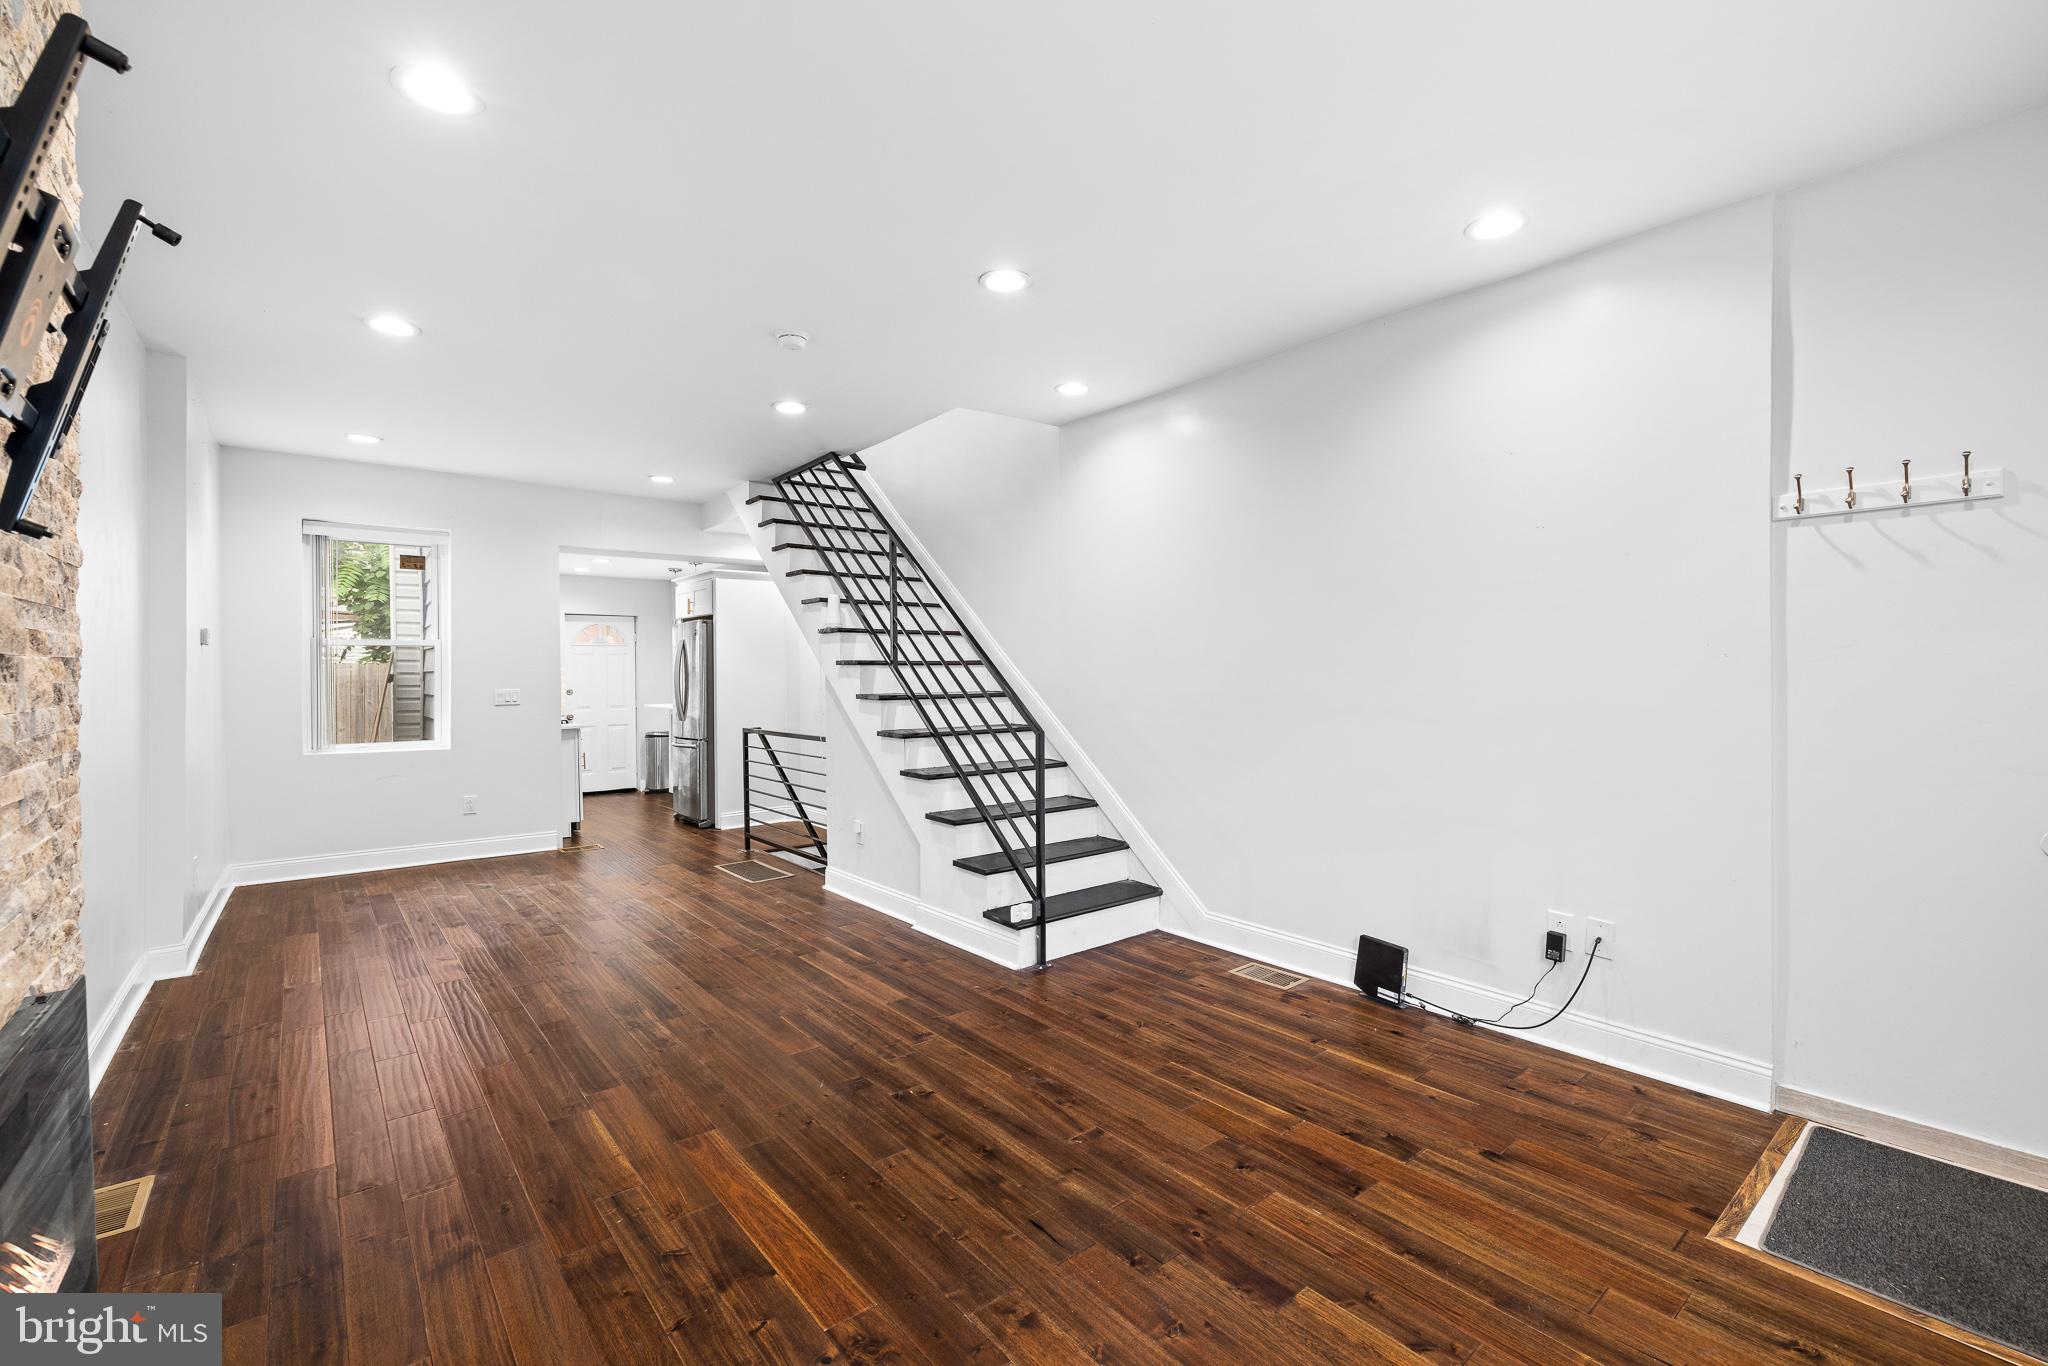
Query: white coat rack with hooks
[[1849, 495]]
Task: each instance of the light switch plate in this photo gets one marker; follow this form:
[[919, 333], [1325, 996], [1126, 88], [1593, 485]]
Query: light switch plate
[[507, 697]]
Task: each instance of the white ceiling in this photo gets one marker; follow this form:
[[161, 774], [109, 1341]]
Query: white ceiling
[[600, 259], [619, 565]]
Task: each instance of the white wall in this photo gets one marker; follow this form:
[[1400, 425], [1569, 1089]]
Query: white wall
[[151, 768], [1916, 787], [204, 731], [873, 844], [291, 813], [651, 604], [766, 675], [1431, 626], [113, 529]]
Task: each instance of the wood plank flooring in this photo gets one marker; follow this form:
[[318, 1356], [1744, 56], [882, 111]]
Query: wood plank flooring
[[615, 1106]]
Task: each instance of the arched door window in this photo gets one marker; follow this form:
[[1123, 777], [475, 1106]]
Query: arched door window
[[599, 633]]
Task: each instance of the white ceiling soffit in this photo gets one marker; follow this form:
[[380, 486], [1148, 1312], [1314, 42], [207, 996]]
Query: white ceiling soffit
[[620, 564], [601, 258]]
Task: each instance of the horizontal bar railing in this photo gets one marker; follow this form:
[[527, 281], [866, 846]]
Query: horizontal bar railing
[[774, 758]]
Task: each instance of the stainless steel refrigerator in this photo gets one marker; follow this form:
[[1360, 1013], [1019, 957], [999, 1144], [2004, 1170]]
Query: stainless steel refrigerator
[[689, 753]]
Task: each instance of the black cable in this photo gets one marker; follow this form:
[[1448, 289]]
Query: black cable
[[1463, 1018], [1591, 954]]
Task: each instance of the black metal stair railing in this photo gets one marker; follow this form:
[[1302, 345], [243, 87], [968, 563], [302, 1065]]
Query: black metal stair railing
[[989, 741], [785, 778]]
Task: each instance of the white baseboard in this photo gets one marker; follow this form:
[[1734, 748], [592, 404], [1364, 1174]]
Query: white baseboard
[[977, 937], [1746, 1081], [398, 856], [106, 1036], [152, 966], [732, 820], [1978, 1154]]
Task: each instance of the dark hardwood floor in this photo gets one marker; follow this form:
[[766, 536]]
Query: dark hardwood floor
[[614, 1106]]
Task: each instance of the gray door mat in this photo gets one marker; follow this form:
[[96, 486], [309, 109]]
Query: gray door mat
[[1968, 1249]]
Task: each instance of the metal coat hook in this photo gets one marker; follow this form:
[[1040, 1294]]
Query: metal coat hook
[[1966, 474], [1906, 481], [1849, 498], [1798, 493]]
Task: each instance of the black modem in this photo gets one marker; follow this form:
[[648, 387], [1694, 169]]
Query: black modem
[[1382, 971]]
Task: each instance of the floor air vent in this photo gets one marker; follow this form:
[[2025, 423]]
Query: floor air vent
[[1272, 977], [751, 871], [118, 1208]]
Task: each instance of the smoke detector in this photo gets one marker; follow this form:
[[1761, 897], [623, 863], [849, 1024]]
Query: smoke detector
[[792, 341]]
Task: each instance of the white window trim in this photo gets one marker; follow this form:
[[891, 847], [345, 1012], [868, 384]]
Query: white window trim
[[313, 604]]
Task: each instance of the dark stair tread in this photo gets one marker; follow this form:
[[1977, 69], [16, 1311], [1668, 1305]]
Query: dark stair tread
[[809, 601], [846, 574], [830, 549], [900, 602], [967, 815], [939, 773], [1080, 901], [1059, 851], [837, 530], [920, 696], [879, 631], [910, 662], [918, 733], [812, 503]]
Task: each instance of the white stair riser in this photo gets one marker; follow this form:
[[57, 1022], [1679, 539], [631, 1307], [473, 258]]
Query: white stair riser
[[881, 678], [966, 748], [1077, 934], [1085, 932]]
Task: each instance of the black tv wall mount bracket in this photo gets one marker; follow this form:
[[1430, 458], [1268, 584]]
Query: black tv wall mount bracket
[[40, 270]]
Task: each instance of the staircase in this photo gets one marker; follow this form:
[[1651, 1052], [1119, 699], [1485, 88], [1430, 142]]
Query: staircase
[[1007, 831]]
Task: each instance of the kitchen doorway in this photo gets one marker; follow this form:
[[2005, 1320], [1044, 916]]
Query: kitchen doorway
[[599, 695]]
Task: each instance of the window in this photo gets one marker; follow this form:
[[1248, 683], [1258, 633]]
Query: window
[[380, 646], [598, 633]]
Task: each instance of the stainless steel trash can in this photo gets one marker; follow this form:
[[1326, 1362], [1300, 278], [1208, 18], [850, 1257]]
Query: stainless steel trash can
[[654, 761]]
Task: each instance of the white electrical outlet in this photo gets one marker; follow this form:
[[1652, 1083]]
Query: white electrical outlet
[[469, 806], [1602, 930], [860, 832], [1566, 924], [507, 697]]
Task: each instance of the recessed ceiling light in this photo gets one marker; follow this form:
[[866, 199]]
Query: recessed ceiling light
[[661, 479], [1073, 388], [436, 87], [364, 439], [580, 568], [791, 407], [1005, 280], [1494, 223], [391, 325]]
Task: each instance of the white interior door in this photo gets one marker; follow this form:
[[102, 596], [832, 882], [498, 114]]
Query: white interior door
[[598, 694]]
